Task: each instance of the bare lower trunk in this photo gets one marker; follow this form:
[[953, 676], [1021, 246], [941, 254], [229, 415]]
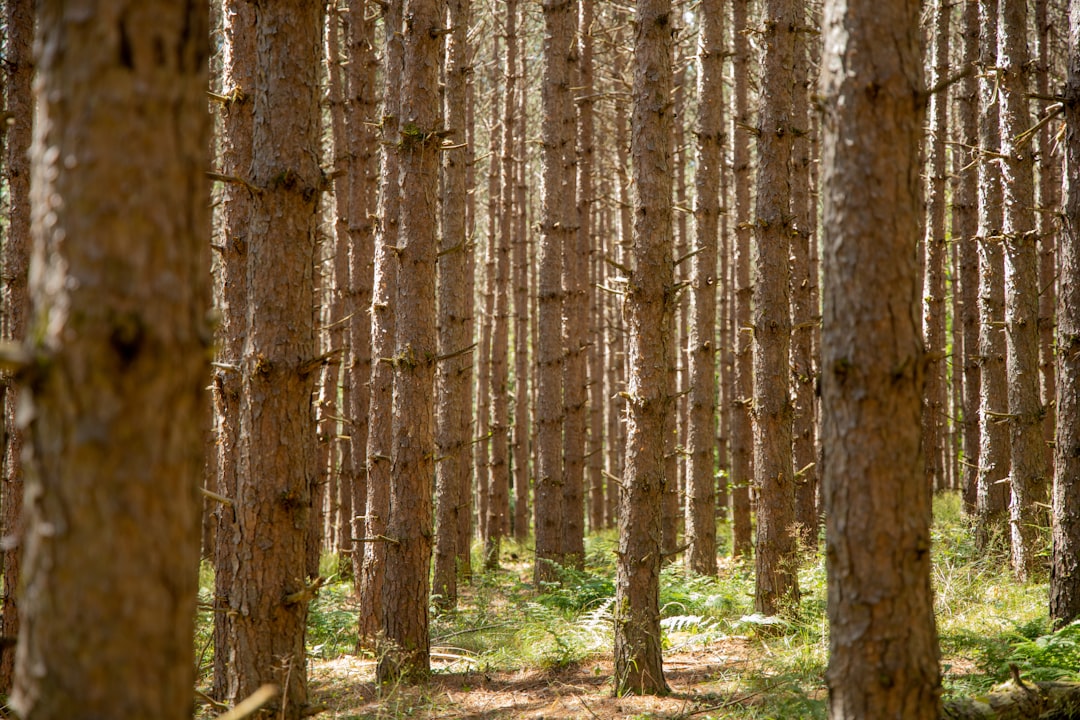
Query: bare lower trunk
[[883, 644]]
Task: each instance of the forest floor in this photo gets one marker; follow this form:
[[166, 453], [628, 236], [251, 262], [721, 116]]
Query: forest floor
[[512, 651]]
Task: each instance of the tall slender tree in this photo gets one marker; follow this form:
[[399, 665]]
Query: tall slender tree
[[384, 280], [14, 259], [231, 287], [120, 298], [453, 420], [409, 524], [649, 308], [883, 653], [992, 491], [700, 485], [1025, 417], [741, 424], [265, 603], [965, 229], [935, 404], [1065, 560], [557, 223], [777, 580]]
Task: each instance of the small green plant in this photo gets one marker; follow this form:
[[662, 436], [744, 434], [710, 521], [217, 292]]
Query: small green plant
[[1052, 656]]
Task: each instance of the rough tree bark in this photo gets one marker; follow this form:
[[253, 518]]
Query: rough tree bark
[[649, 310], [384, 279], [700, 483], [15, 259], [412, 468], [120, 295], [992, 492], [883, 643], [557, 223], [777, 559], [1025, 420], [1065, 558], [453, 420]]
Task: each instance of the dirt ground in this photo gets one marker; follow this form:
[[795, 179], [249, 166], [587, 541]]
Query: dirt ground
[[703, 683]]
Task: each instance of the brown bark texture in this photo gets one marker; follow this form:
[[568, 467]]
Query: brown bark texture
[[777, 563], [362, 187], [965, 229], [453, 419], [700, 483], [1065, 556], [15, 260], [231, 287], [742, 447], [120, 295], [263, 598], [384, 279], [883, 652], [409, 524], [1025, 421], [557, 222], [649, 311]]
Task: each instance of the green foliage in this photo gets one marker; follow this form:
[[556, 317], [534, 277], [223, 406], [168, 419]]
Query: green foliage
[[1053, 656], [332, 622]]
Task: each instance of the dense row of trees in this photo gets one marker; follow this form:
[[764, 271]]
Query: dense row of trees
[[491, 269]]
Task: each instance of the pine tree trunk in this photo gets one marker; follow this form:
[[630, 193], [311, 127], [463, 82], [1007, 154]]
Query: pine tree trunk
[[964, 231], [1028, 453], [777, 582], [649, 310], [935, 407], [741, 426], [120, 203], [383, 321], [16, 86], [575, 305], [231, 290], [523, 425], [803, 308], [992, 492], [265, 621], [409, 523], [363, 188], [700, 486], [557, 225], [883, 644], [453, 419], [1065, 557], [498, 478]]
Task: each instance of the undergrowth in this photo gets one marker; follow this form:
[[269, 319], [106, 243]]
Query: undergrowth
[[773, 667]]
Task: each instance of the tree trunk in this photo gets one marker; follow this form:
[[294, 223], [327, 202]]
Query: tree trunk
[[363, 188], [15, 259], [883, 644], [741, 426], [409, 524], [803, 311], [231, 288], [700, 485], [649, 310], [1028, 453], [557, 225], [1065, 558], [992, 492], [777, 566], [523, 425], [453, 420], [383, 321], [575, 305], [935, 403], [120, 292], [965, 230], [265, 601]]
